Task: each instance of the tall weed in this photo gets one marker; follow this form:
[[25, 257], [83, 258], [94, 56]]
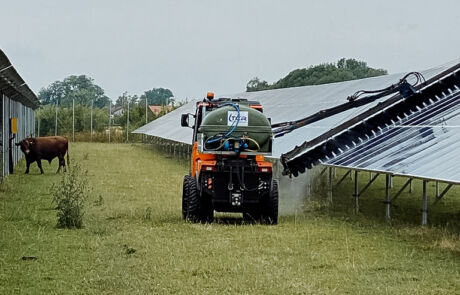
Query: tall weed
[[69, 195]]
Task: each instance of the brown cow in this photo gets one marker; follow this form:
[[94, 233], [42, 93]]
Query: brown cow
[[47, 148]]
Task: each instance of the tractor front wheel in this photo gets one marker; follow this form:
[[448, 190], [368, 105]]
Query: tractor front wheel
[[185, 195], [193, 201]]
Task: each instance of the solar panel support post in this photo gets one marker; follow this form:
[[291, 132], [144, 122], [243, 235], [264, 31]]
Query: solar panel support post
[[437, 189], [329, 190], [391, 181], [343, 178], [368, 184], [356, 193], [387, 197], [324, 170], [424, 204], [443, 193], [400, 191], [411, 187]]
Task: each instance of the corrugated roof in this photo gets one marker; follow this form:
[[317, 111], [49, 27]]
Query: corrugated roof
[[289, 104], [13, 86]]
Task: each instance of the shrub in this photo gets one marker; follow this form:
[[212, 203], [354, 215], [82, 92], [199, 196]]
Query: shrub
[[99, 201], [148, 214], [69, 195]]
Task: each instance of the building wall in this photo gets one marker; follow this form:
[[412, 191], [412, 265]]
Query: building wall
[[26, 127]]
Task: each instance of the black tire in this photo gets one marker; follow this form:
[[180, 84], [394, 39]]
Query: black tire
[[270, 205], [185, 195], [193, 201], [196, 207], [207, 210]]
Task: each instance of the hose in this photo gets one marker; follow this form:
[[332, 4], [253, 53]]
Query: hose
[[219, 147], [253, 141], [419, 78], [232, 128]]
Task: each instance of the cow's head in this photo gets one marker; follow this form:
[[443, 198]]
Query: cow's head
[[26, 145]]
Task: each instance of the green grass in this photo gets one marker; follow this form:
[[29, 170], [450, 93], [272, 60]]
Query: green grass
[[135, 205]]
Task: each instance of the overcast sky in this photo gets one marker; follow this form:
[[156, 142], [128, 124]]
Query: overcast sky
[[196, 46]]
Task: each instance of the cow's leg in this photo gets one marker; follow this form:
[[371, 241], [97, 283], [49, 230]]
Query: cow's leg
[[27, 167], [63, 164], [39, 164], [61, 159]]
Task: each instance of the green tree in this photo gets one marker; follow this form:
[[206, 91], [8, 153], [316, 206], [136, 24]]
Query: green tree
[[255, 84], [159, 96], [123, 99], [79, 88], [343, 70]]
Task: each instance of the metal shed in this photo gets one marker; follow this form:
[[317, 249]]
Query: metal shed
[[17, 117]]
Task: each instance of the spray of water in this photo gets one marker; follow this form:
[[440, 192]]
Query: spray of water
[[294, 191]]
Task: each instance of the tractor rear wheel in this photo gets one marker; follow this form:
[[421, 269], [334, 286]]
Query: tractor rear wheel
[[270, 205], [207, 210], [196, 207]]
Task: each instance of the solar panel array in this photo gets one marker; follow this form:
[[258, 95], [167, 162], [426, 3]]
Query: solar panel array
[[425, 144], [397, 115]]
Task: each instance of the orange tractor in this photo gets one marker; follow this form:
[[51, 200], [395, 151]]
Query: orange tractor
[[228, 171]]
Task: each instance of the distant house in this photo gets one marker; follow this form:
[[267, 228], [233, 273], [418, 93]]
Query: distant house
[[118, 111], [156, 109]]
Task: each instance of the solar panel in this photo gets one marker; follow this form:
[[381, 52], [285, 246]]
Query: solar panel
[[369, 125], [425, 144]]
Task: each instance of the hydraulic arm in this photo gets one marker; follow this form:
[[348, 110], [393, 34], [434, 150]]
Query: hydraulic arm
[[403, 87]]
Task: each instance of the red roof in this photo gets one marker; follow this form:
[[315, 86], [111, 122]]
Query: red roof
[[156, 109]]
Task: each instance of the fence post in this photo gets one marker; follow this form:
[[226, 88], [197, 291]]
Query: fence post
[[91, 135], [73, 119], [127, 124], [110, 117], [56, 121]]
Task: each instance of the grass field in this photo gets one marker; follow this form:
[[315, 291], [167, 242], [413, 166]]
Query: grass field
[[135, 205]]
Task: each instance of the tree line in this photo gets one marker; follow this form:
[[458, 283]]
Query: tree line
[[343, 70]]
